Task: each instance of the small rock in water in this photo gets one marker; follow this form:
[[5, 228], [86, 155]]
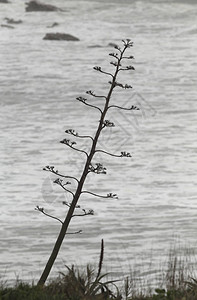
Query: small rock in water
[[60, 37], [7, 26], [112, 45], [12, 21], [37, 6], [53, 25], [95, 46]]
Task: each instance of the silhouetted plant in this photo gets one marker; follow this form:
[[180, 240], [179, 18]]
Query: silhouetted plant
[[89, 166], [87, 284]]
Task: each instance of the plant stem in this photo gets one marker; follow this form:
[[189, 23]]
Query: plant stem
[[85, 172]]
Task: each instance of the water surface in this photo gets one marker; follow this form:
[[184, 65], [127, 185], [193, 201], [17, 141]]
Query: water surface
[[39, 83]]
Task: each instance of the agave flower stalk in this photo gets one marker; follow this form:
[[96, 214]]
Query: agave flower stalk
[[89, 166]]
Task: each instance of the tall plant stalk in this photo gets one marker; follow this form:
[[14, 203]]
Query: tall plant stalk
[[89, 167]]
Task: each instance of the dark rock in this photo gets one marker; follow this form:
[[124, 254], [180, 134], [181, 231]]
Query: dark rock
[[12, 21], [4, 1], [53, 25], [95, 46], [60, 37], [37, 6], [7, 26], [112, 45]]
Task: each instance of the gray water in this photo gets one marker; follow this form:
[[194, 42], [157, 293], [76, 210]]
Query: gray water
[[39, 83]]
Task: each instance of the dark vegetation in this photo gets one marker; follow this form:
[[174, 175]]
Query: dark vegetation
[[91, 284]]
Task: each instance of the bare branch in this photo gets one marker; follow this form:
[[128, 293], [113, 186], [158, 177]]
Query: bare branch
[[93, 194], [124, 108], [41, 209], [59, 182], [123, 154], [110, 195], [85, 213], [118, 48], [66, 203], [76, 232], [128, 57], [115, 63], [51, 169], [100, 70], [115, 55], [124, 86], [83, 100], [102, 151], [73, 132], [94, 95], [70, 144], [127, 68]]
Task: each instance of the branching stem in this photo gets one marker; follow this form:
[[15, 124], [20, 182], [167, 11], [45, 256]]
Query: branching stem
[[51, 169], [99, 169], [72, 132], [94, 95], [82, 151], [94, 106], [114, 155], [62, 185], [76, 232], [70, 144], [94, 194], [44, 213], [85, 213], [69, 177], [124, 108], [83, 100], [85, 137]]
